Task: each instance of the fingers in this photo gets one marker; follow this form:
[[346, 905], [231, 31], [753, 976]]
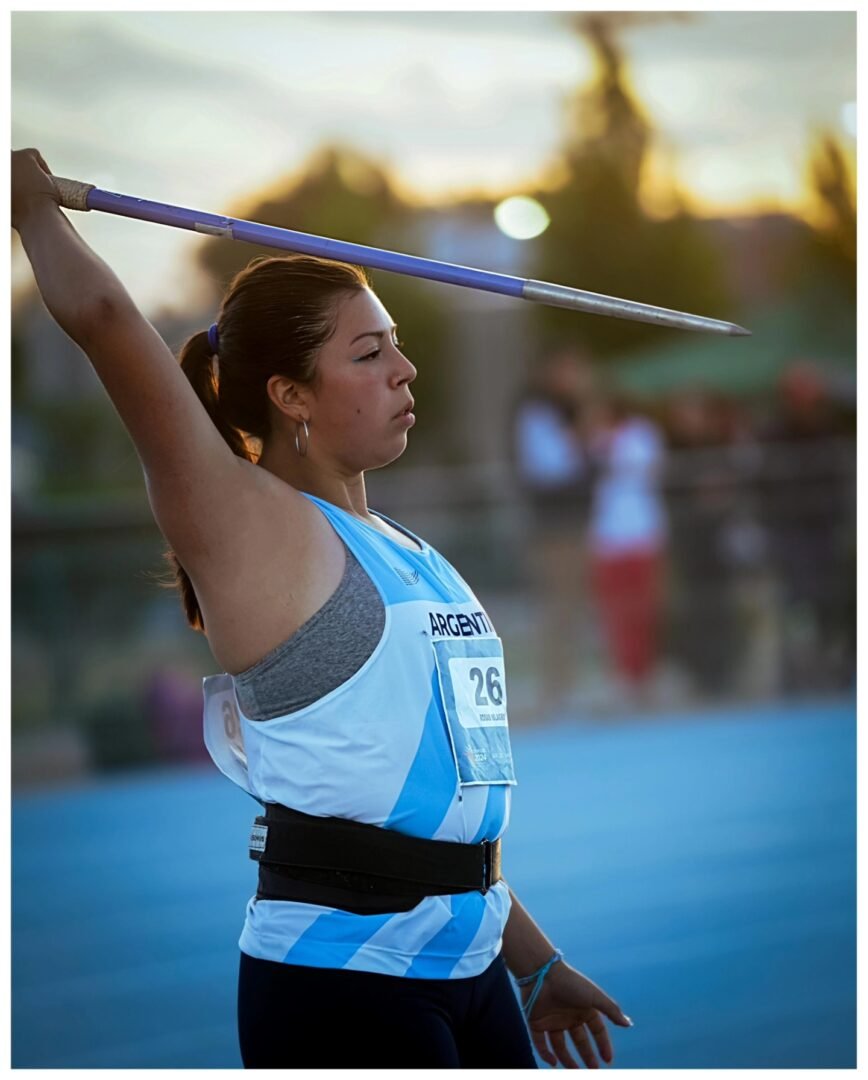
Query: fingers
[[581, 1039], [601, 1036], [613, 1010], [38, 158], [542, 1048], [33, 153], [558, 1050], [559, 1045], [579, 1036]]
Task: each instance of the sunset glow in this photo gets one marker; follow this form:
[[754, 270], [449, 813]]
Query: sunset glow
[[206, 109]]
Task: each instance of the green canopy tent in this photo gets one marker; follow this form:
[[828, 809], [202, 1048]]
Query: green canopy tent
[[820, 328]]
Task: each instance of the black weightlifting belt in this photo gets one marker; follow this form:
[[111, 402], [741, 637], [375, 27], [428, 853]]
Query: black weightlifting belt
[[361, 868]]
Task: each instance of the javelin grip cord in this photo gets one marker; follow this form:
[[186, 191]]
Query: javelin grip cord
[[73, 193]]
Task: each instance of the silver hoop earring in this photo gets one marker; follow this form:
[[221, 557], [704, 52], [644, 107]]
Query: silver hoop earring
[[302, 453]]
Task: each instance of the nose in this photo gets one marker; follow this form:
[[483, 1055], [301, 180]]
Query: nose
[[404, 371]]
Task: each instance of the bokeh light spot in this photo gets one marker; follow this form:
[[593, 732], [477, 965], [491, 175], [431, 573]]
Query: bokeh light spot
[[848, 118], [521, 217]]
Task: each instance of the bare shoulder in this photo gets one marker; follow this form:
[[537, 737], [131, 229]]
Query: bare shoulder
[[270, 521], [215, 525], [280, 565]]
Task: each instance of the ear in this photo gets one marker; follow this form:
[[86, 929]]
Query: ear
[[289, 397]]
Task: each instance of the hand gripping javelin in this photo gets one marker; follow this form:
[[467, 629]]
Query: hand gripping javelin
[[75, 195]]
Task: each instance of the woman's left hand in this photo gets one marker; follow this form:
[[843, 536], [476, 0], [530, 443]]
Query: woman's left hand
[[569, 1002]]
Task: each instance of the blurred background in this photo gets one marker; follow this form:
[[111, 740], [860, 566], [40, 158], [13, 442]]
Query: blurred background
[[661, 524]]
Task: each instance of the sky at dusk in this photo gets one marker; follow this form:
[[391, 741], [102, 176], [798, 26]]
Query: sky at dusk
[[203, 109]]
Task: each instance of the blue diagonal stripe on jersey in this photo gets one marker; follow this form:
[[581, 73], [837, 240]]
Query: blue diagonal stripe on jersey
[[375, 552], [333, 938], [495, 811], [430, 785], [452, 940]]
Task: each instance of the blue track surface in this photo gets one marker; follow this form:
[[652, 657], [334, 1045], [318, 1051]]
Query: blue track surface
[[702, 870]]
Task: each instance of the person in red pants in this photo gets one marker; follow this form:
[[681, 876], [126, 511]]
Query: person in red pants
[[627, 539], [627, 587]]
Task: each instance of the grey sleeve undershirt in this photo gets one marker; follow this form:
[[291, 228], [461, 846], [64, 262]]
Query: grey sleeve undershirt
[[321, 655]]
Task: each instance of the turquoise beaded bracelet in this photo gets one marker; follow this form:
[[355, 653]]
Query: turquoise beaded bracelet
[[537, 978]]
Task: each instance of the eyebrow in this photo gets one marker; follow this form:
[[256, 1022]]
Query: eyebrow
[[374, 333]]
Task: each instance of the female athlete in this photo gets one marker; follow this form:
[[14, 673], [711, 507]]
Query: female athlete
[[362, 703]]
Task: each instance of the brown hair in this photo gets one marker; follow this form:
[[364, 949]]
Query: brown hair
[[274, 318]]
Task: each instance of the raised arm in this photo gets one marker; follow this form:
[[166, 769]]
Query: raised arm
[[193, 476]]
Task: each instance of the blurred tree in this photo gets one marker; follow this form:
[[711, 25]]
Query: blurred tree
[[607, 131], [829, 255], [833, 187], [78, 441], [341, 193], [600, 237], [84, 450]]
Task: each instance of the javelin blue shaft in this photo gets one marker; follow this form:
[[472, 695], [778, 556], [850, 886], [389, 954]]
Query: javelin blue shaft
[[272, 236], [75, 195]]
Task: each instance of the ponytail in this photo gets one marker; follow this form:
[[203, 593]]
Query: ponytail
[[197, 363], [276, 314]]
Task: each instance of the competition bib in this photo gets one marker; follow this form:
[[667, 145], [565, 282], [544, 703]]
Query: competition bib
[[473, 686], [223, 734]]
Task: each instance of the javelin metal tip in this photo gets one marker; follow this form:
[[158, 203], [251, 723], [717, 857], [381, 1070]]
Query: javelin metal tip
[[739, 331]]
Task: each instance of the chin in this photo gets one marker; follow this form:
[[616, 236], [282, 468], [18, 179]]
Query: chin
[[388, 457]]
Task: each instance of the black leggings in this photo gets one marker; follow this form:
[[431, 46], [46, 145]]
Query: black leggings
[[295, 1017]]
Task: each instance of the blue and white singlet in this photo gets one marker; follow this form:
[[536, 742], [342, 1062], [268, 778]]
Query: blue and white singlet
[[416, 740]]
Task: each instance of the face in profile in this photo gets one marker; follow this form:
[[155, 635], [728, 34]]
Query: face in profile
[[360, 408]]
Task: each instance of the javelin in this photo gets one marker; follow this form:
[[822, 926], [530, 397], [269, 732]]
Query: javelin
[[75, 195]]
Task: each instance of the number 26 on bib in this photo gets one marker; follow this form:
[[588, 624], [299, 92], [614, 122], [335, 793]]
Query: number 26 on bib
[[473, 686]]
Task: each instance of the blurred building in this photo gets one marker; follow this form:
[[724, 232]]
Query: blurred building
[[52, 367], [491, 336]]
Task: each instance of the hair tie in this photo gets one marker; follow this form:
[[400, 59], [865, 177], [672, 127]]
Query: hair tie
[[213, 338]]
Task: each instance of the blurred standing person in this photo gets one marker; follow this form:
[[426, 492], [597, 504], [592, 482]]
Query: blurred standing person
[[703, 493], [809, 506], [627, 539], [554, 472]]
